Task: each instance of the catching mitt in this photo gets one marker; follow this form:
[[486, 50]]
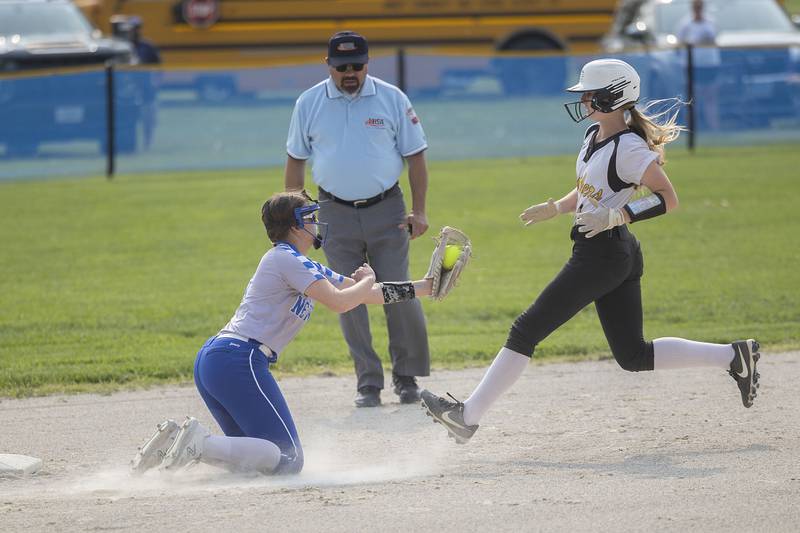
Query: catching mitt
[[452, 252]]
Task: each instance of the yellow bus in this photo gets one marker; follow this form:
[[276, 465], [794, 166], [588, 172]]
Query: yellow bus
[[236, 33], [239, 34]]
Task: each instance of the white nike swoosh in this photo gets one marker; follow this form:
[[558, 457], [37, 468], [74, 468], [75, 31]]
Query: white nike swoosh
[[744, 367], [446, 416]]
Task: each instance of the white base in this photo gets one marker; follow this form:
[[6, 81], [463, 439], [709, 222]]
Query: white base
[[19, 465]]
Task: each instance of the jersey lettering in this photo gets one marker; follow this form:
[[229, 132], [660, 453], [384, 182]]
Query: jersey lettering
[[302, 308], [585, 189]]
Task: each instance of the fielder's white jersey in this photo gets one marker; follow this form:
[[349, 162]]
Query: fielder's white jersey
[[274, 306], [610, 170]]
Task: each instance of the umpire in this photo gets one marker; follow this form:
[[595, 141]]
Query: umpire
[[358, 130]]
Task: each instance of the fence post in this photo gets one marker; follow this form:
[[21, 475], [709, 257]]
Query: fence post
[[401, 69], [690, 94], [110, 144]]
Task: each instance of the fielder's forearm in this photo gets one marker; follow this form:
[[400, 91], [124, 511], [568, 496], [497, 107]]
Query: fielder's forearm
[[423, 287], [340, 300], [353, 296]]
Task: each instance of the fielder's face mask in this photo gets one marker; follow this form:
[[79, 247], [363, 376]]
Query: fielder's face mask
[[307, 216]]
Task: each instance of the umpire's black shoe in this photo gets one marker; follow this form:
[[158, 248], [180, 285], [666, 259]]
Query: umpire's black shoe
[[368, 396], [743, 369], [406, 387], [449, 414]]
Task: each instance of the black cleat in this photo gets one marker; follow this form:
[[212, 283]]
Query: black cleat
[[406, 388], [449, 414], [743, 369], [368, 396]]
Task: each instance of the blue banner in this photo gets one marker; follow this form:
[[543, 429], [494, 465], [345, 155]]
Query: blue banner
[[470, 107]]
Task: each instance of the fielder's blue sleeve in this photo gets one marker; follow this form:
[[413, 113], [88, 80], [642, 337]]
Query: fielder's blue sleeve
[[298, 271], [333, 277]]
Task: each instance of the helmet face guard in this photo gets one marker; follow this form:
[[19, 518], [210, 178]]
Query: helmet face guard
[[577, 111], [605, 100], [306, 216], [612, 84]]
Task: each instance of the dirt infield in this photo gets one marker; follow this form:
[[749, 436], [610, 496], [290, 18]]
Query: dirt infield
[[573, 447]]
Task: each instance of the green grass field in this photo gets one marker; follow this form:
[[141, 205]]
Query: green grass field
[[117, 284]]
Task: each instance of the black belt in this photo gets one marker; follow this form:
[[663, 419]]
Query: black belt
[[360, 203]]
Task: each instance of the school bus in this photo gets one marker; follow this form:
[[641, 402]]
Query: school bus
[[251, 33], [246, 31]]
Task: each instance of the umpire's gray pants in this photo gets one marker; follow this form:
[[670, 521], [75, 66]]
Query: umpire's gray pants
[[371, 234]]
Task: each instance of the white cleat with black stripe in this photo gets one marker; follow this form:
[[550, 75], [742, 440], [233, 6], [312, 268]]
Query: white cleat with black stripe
[[155, 449], [743, 369], [449, 414]]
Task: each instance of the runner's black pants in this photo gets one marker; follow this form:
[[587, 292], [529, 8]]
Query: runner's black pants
[[606, 270]]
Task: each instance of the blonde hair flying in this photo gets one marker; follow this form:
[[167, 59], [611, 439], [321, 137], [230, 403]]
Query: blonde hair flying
[[657, 128]]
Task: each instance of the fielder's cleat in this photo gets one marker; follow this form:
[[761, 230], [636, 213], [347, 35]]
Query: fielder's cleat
[[152, 452], [188, 445], [743, 369], [449, 414]]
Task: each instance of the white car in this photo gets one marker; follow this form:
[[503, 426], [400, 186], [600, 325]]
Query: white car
[[41, 37], [759, 54]]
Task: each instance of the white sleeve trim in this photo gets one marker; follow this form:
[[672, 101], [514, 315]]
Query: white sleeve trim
[[415, 152], [293, 156]]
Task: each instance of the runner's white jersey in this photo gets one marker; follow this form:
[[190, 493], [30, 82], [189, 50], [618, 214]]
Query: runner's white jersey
[[610, 170]]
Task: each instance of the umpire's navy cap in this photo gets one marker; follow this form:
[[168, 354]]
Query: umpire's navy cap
[[347, 47]]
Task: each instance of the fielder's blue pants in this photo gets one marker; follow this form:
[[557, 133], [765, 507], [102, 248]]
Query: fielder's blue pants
[[234, 380]]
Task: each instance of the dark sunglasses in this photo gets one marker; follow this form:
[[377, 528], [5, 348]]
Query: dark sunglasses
[[358, 67]]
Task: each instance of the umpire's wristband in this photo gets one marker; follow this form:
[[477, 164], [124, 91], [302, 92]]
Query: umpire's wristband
[[646, 207]]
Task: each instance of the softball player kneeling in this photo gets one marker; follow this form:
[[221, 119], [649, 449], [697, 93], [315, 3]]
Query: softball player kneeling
[[619, 154], [232, 368]]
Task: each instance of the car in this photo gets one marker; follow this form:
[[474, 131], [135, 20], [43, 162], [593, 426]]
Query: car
[[758, 78], [38, 37]]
